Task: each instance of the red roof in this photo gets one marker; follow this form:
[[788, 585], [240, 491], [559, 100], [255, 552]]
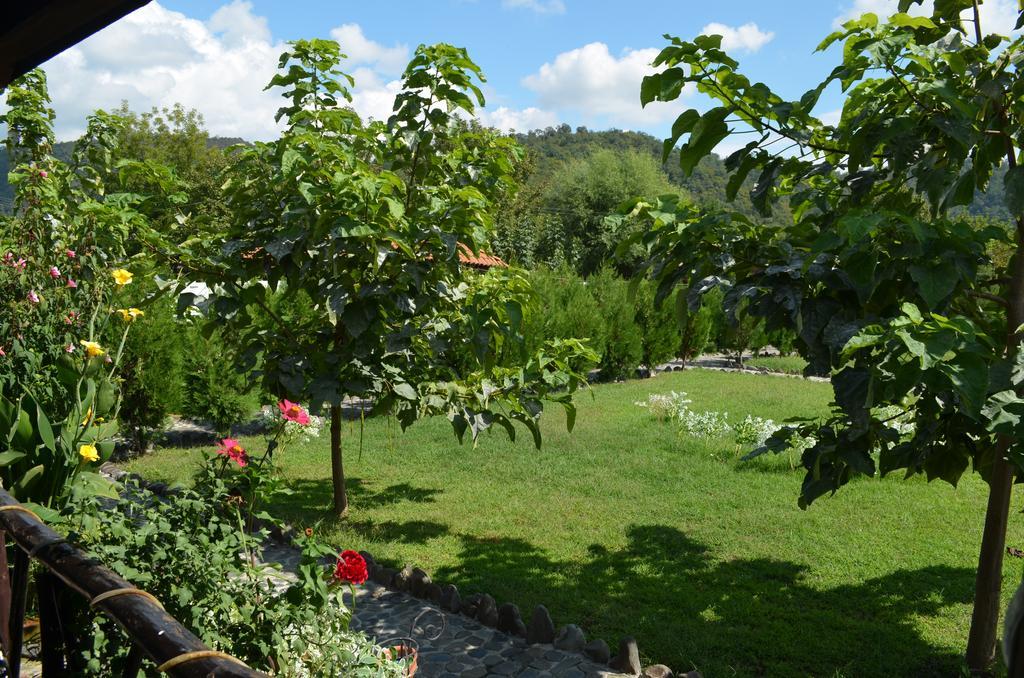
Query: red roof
[[480, 260]]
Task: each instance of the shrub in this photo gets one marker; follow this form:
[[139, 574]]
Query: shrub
[[153, 369], [214, 389], [188, 551], [660, 334], [622, 349], [563, 308]]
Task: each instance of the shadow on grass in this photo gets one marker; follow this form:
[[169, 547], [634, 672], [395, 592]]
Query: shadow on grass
[[756, 616], [317, 495]]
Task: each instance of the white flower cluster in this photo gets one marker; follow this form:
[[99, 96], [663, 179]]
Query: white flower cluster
[[752, 431], [271, 418], [665, 407]]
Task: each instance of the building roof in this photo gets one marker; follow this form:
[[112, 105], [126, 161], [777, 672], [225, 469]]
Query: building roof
[[32, 31], [479, 260]]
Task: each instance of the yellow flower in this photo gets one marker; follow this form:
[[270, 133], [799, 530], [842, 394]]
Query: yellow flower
[[121, 277], [89, 453], [92, 349], [130, 314], [88, 416]]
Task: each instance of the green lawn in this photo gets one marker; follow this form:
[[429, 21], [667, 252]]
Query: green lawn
[[626, 528], [790, 364]]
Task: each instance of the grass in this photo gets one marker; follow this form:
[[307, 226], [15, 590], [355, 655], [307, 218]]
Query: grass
[[626, 528], [789, 364]]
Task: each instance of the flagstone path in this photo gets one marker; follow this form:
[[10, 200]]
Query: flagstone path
[[449, 644]]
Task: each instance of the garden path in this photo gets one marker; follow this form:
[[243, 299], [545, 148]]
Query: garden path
[[463, 647]]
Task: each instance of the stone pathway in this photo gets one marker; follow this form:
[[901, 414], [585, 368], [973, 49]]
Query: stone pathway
[[463, 647]]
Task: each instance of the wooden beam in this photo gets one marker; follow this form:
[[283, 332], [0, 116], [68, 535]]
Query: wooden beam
[[34, 32], [157, 633]]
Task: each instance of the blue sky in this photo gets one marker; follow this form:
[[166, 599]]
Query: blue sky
[[547, 62]]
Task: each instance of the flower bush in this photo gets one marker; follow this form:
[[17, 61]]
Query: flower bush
[[191, 551], [750, 432], [61, 277]]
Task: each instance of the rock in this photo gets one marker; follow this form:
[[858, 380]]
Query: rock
[[471, 604], [628, 659], [418, 581], [570, 638], [510, 621], [658, 671], [487, 612], [450, 599], [400, 582], [384, 576], [541, 628], [598, 651], [432, 593]]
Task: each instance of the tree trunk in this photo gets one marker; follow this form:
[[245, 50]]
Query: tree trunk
[[981, 641], [337, 468]]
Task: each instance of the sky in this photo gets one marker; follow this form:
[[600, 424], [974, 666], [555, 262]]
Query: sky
[[547, 62]]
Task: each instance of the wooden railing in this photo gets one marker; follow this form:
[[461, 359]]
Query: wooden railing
[[153, 633]]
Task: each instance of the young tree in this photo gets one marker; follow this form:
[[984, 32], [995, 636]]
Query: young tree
[[887, 286], [360, 224]]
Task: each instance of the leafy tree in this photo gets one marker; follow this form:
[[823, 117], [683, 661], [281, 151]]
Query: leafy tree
[[364, 220], [588, 189], [886, 282]]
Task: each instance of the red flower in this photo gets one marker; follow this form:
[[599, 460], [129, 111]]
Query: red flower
[[351, 568], [293, 412], [230, 448]]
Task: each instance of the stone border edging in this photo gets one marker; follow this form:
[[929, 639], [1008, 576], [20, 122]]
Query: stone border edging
[[507, 618]]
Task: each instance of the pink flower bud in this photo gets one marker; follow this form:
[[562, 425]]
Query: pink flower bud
[[43, 174], [70, 348], [70, 253], [33, 297], [72, 284], [2, 352], [54, 272]]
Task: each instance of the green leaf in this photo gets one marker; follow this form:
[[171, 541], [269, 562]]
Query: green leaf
[[45, 430], [935, 281], [406, 391], [1013, 185], [9, 457]]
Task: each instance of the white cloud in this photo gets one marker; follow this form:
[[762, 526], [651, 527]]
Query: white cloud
[[360, 50], [539, 6], [523, 120], [604, 88], [745, 38], [237, 23], [158, 57], [997, 16]]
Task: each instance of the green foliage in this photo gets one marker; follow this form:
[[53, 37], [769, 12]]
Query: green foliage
[[660, 334], [59, 386], [365, 221], [586, 190], [861, 251], [214, 389], [562, 307], [153, 370], [190, 551], [623, 347]]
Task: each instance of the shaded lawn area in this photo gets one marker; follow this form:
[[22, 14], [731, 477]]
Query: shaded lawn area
[[626, 528], [790, 364]]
